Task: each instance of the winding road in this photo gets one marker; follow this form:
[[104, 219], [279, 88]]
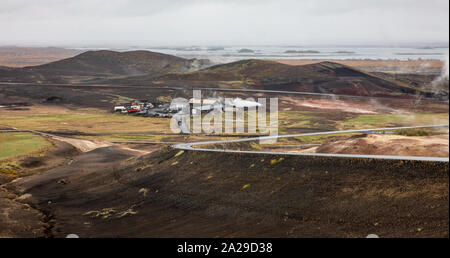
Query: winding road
[[191, 146]]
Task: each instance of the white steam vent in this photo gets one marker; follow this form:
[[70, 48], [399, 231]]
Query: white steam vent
[[441, 83]]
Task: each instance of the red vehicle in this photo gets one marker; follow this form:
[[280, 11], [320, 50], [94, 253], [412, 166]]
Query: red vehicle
[[134, 109]]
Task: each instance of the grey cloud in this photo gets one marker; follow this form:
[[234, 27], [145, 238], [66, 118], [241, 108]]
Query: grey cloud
[[159, 22]]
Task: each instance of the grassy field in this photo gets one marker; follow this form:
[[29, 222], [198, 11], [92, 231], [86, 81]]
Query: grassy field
[[125, 127], [390, 120], [89, 122], [17, 144], [294, 119], [121, 127], [324, 138]]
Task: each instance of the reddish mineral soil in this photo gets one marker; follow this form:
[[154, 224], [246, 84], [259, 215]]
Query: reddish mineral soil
[[390, 145], [334, 105]]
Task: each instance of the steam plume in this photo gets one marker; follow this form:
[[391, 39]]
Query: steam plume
[[441, 83]]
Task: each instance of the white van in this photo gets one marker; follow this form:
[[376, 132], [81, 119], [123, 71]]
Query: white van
[[119, 109]]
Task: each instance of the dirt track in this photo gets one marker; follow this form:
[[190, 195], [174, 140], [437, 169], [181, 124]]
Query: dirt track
[[83, 145], [191, 194]]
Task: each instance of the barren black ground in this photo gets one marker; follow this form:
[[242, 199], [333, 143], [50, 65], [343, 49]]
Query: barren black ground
[[116, 191], [219, 195]]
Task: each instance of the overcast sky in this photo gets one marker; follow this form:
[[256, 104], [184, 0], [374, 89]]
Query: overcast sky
[[223, 22]]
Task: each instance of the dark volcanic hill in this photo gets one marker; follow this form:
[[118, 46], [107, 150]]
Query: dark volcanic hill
[[145, 68], [100, 65], [325, 77]]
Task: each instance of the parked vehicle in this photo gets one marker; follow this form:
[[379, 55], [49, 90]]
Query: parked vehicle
[[146, 109], [134, 109], [119, 108]]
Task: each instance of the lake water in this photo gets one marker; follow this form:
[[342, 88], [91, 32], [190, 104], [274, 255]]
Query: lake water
[[224, 54]]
